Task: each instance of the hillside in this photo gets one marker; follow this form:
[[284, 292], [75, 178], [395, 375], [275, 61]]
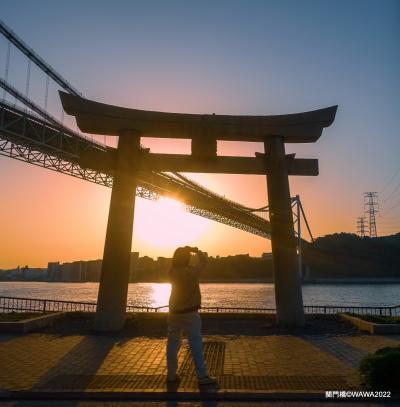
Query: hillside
[[344, 255]]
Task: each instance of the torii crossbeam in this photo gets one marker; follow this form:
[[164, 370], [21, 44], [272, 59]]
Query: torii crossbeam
[[204, 131]]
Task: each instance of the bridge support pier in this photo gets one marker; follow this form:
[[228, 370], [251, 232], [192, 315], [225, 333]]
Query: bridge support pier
[[113, 288], [288, 295]]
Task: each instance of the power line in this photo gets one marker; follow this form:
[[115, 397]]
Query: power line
[[391, 179], [393, 207], [395, 190]]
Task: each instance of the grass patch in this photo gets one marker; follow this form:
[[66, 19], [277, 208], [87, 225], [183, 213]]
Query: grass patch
[[378, 319], [20, 316]]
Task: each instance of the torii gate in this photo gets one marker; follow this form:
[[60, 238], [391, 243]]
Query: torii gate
[[204, 131]]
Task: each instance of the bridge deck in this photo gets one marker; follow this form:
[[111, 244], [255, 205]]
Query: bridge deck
[[28, 138]]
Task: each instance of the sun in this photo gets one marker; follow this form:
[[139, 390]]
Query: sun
[[166, 224]]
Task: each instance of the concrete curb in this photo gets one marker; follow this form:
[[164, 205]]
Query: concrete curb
[[371, 327], [27, 325]]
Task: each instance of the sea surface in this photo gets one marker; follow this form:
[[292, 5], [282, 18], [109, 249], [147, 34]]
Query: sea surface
[[254, 295]]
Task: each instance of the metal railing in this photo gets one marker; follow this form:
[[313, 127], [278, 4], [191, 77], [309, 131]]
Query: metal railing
[[336, 309], [314, 310], [18, 304], [237, 310]]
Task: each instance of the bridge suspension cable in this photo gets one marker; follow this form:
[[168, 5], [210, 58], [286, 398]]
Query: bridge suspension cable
[[36, 59], [7, 67], [29, 103]]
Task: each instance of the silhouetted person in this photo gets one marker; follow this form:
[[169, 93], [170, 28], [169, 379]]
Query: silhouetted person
[[184, 303]]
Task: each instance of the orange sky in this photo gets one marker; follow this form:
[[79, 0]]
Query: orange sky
[[54, 217]]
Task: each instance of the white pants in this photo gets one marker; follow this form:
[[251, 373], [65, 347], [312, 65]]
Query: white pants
[[190, 323]]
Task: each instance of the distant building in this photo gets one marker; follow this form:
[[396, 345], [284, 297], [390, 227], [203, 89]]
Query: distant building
[[133, 265], [83, 270], [78, 271], [24, 273], [35, 274], [53, 270], [66, 272], [16, 274], [93, 270]]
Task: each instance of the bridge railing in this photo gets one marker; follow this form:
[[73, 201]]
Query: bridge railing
[[18, 304]]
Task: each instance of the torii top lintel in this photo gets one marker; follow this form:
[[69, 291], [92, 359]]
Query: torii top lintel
[[100, 118]]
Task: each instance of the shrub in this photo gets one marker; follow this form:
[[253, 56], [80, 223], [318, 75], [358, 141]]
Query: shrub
[[381, 370]]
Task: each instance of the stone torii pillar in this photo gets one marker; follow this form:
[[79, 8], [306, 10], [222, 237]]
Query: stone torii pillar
[[288, 295], [113, 287]]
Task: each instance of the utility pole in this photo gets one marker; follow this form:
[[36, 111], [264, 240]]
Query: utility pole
[[361, 226], [370, 208]]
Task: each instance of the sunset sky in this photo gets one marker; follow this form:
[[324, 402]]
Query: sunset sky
[[223, 57]]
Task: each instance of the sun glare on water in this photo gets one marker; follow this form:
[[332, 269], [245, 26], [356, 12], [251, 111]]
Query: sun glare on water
[[160, 294], [166, 224]]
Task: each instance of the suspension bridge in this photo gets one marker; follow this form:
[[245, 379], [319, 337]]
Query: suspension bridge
[[31, 132]]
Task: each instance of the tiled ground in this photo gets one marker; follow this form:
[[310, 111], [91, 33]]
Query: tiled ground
[[49, 362]]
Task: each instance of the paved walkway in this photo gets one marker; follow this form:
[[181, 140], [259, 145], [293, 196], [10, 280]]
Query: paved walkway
[[45, 362]]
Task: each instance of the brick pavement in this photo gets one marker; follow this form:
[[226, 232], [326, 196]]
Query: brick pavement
[[292, 363]]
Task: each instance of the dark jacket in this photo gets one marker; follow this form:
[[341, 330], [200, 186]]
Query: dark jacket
[[185, 292]]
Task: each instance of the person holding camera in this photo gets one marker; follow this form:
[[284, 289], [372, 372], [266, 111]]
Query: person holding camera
[[184, 303]]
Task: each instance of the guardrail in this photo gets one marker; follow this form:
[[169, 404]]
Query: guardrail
[[18, 304]]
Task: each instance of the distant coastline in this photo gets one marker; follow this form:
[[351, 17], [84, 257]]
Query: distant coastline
[[340, 258], [352, 281]]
